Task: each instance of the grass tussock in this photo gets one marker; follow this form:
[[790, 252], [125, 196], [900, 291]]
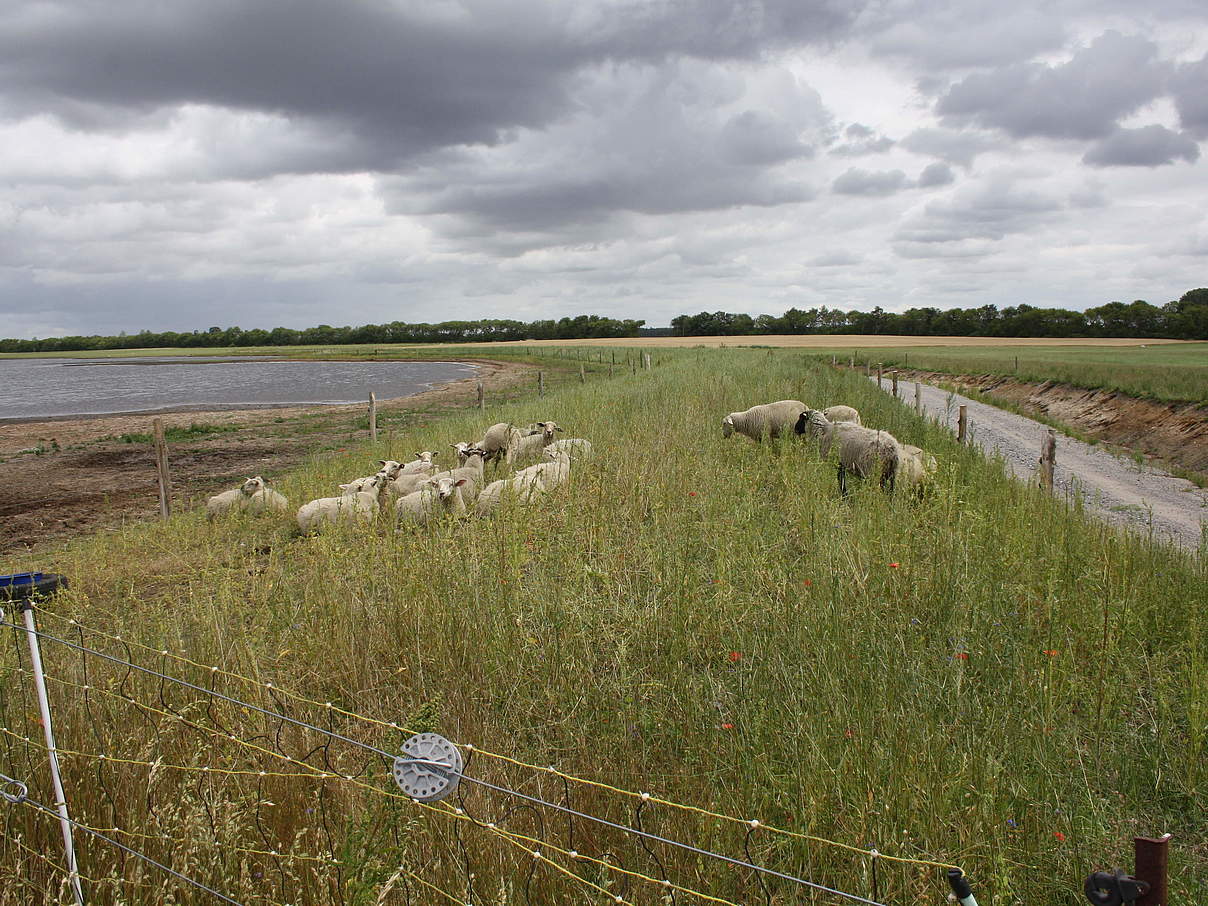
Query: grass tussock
[[984, 678]]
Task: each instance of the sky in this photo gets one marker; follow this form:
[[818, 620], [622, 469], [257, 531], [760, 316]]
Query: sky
[[176, 166]]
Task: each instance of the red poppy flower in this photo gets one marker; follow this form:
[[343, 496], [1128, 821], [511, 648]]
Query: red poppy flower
[[894, 565], [727, 726], [735, 656], [1051, 652], [961, 656], [692, 493], [809, 582], [1060, 836]]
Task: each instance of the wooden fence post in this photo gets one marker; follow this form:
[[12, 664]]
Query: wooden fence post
[[373, 417], [851, 362], [1151, 857], [1017, 364], [918, 398], [646, 360], [1048, 459], [482, 398], [834, 360], [962, 425], [879, 369], [894, 378], [540, 383], [868, 368], [582, 374], [161, 467]]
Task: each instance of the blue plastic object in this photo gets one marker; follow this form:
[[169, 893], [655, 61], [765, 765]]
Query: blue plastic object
[[22, 586]]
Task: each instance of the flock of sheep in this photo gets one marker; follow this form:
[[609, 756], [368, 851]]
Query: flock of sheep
[[416, 492], [860, 450]]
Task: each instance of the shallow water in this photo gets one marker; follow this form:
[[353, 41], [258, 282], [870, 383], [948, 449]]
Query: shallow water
[[42, 388]]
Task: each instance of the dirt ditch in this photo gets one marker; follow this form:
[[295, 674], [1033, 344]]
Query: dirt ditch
[[64, 477]]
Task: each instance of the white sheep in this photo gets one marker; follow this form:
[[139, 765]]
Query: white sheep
[[422, 463], [523, 490], [842, 414], [253, 496], [471, 471], [390, 470], [770, 419], [551, 473], [530, 445], [360, 506], [577, 447], [916, 470], [497, 439], [437, 496], [860, 450]]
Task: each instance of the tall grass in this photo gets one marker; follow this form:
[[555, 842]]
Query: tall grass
[[1167, 372], [984, 678]]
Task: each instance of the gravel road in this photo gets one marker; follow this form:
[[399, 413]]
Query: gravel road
[[1141, 498]]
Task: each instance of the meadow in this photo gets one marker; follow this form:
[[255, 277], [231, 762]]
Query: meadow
[[986, 678]]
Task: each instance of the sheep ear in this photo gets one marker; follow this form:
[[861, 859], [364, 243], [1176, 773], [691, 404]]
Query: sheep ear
[[557, 427], [345, 487], [382, 461], [459, 482]]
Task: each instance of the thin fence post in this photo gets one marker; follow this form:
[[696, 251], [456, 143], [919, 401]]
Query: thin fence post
[[161, 469], [894, 378], [834, 360], [962, 424], [1017, 364], [918, 398], [482, 398], [868, 367], [879, 370], [540, 383], [1151, 857], [646, 360], [1048, 459], [35, 656], [851, 362], [582, 374], [373, 416]]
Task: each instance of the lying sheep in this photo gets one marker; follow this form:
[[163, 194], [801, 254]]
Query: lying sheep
[[842, 414], [497, 439], [359, 506], [390, 470], [471, 471], [577, 447], [860, 450], [422, 463], [770, 419], [253, 496], [551, 473], [523, 490], [441, 496], [530, 445], [916, 469]]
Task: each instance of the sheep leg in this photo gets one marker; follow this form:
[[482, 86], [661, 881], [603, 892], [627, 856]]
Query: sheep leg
[[887, 480], [842, 481]]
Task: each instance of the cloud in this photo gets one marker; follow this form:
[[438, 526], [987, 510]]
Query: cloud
[[1147, 146], [862, 140], [991, 210], [936, 174], [1082, 99], [951, 145], [867, 182], [1189, 85], [836, 259]]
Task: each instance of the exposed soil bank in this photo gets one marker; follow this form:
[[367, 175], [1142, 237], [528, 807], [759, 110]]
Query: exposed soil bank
[[1172, 432], [85, 478]]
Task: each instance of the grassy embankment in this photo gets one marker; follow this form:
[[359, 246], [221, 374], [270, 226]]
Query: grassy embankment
[[1167, 372], [985, 678]]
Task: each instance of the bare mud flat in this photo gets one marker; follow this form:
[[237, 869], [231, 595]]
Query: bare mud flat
[[64, 477], [1138, 497]]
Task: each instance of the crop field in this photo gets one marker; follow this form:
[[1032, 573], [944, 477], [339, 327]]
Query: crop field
[[984, 678]]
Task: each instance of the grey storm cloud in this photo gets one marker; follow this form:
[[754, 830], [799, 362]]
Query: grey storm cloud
[[392, 81], [955, 146], [992, 211], [936, 174], [1189, 85], [869, 182], [1084, 98], [1147, 146], [861, 140]]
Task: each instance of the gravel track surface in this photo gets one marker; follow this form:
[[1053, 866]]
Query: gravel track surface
[[1141, 498]]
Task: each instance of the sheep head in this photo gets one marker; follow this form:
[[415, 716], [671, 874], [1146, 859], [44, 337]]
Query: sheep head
[[390, 468], [811, 421], [253, 486], [727, 425]]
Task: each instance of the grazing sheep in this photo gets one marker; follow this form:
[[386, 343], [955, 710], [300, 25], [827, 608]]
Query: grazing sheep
[[253, 496], [530, 445], [771, 419], [842, 414], [860, 450], [422, 463], [523, 490], [407, 483], [577, 447], [497, 439], [437, 496], [360, 506], [390, 470], [916, 470]]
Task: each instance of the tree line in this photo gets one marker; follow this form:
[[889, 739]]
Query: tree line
[[583, 326], [1185, 319]]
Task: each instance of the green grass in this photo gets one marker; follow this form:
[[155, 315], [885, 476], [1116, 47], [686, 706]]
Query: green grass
[[195, 430], [985, 678], [1173, 372]]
